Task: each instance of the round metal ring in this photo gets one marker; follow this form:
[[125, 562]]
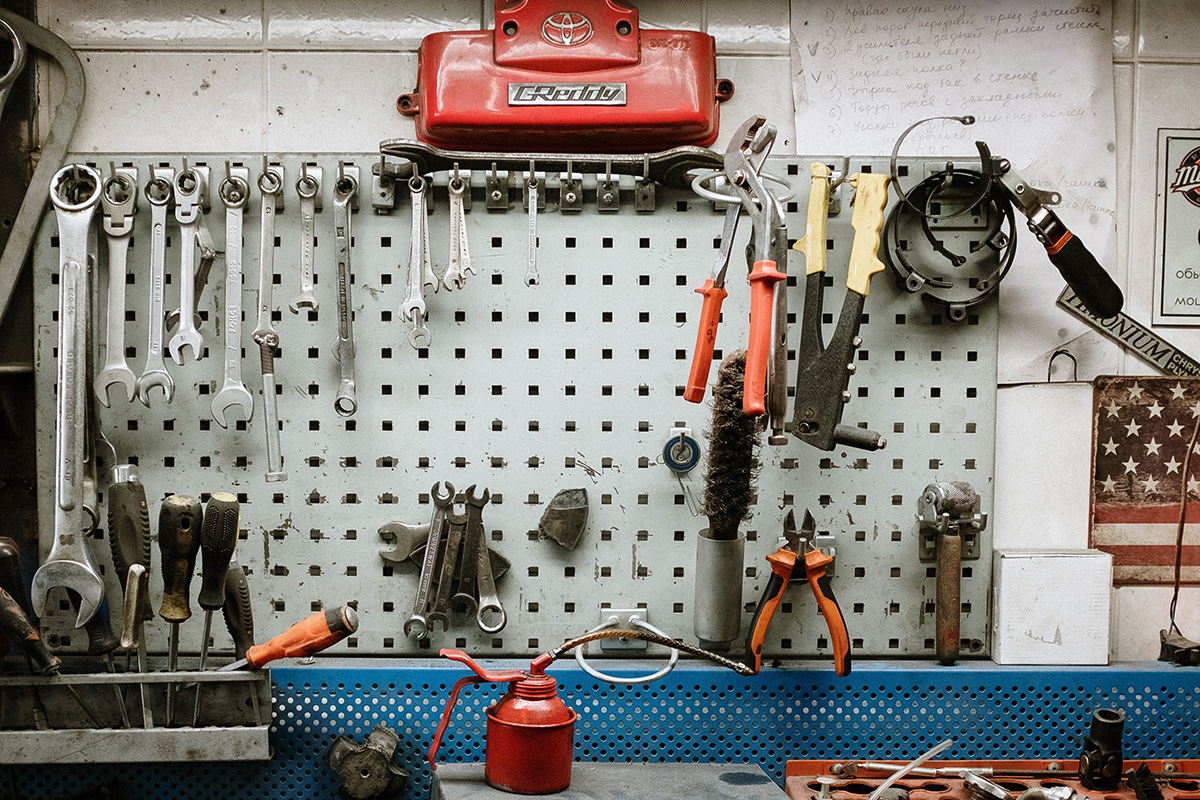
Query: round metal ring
[[676, 464], [701, 181], [637, 623]]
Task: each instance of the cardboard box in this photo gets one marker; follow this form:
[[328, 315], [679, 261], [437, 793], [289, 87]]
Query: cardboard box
[[1051, 606]]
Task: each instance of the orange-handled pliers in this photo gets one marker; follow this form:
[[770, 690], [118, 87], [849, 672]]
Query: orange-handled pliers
[[783, 564], [747, 150]]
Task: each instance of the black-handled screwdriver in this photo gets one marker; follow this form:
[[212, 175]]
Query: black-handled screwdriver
[[218, 537], [178, 541], [102, 641], [239, 617]]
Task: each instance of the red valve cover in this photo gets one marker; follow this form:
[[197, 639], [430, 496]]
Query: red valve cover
[[566, 75]]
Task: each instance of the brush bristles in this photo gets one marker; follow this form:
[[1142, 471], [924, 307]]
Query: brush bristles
[[732, 452]]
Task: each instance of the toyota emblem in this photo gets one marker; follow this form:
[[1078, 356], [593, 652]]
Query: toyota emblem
[[566, 29]]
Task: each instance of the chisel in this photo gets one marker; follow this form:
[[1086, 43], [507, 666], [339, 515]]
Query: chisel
[[218, 537], [178, 541]]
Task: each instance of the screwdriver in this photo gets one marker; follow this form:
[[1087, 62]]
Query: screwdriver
[[218, 537], [308, 636], [239, 617], [178, 540], [129, 542], [137, 611], [102, 641], [13, 585]]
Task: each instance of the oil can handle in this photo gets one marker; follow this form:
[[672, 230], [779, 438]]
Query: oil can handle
[[441, 729], [499, 676]]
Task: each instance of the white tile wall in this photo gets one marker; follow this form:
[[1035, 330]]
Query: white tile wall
[[295, 75]]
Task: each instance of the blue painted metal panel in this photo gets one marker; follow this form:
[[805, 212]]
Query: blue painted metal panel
[[695, 714]]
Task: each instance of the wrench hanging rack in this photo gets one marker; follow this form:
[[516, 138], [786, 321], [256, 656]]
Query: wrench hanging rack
[[527, 390]]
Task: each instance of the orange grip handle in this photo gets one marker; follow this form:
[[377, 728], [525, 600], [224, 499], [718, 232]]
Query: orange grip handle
[[310, 635], [783, 563], [763, 278], [706, 339], [814, 565]]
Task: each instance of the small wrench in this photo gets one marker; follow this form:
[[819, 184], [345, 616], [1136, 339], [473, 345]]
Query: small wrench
[[450, 560], [531, 272], [208, 254], [307, 187], [460, 254], [413, 309], [75, 192], [468, 590], [119, 201], [265, 336], [346, 403], [234, 193], [158, 192], [488, 600], [417, 626], [189, 185]]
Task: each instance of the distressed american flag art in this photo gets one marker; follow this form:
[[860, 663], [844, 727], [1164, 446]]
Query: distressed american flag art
[[1142, 430]]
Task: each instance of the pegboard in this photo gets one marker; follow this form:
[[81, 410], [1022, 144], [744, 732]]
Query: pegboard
[[695, 714], [575, 382]]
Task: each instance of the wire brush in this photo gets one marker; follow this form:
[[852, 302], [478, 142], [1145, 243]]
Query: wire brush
[[732, 452]]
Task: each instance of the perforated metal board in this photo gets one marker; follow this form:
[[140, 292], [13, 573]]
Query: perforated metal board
[[695, 714], [575, 382]]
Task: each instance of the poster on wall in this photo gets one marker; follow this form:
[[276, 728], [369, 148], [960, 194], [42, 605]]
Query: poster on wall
[[1144, 427], [1177, 234]]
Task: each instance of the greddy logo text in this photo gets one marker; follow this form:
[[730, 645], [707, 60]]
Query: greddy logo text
[[566, 94], [1187, 177]]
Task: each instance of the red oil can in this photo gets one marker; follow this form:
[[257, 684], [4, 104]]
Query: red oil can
[[530, 731], [566, 76]]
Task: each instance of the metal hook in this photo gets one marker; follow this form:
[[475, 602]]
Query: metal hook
[[841, 177], [532, 176], [341, 170], [456, 179], [228, 170], [495, 176], [1074, 364], [304, 170], [570, 170], [646, 167], [266, 166], [607, 174]]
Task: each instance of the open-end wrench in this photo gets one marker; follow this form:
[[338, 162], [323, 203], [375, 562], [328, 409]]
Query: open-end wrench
[[75, 192], [460, 253], [413, 308], [346, 402], [188, 188], [119, 202], [307, 187], [158, 192], [208, 254], [234, 192], [417, 625], [489, 601], [265, 336], [531, 191], [468, 591], [450, 561]]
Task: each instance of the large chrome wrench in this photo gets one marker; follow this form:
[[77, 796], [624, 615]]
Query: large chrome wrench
[[119, 202], [75, 192], [417, 625], [346, 402], [158, 192], [413, 308], [265, 336], [188, 189], [234, 192]]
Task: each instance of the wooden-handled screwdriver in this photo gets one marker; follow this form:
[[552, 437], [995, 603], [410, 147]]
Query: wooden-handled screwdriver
[[218, 537], [129, 542], [178, 541]]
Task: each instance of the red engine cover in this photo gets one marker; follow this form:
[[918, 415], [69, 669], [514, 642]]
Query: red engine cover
[[566, 76]]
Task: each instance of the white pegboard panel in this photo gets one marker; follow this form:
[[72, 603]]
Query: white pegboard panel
[[527, 390]]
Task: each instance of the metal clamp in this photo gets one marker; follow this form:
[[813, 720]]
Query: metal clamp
[[636, 622]]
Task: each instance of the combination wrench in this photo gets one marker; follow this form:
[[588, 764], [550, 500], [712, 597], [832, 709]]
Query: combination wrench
[[460, 254], [234, 192], [119, 203], [75, 192], [419, 265], [189, 187], [346, 402], [532, 186], [457, 526], [154, 374], [265, 336], [417, 625], [307, 187]]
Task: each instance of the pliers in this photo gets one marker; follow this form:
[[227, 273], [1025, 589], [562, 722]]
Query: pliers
[[748, 149], [783, 563]]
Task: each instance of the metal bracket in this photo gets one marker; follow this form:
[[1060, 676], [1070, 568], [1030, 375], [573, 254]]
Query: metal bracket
[[622, 616], [928, 544], [497, 190]]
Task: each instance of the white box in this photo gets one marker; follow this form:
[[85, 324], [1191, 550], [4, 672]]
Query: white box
[[1051, 606]]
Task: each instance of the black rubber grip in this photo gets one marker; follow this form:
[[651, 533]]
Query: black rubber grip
[[128, 527], [101, 638], [218, 537], [14, 622], [766, 605], [239, 618], [1083, 273]]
